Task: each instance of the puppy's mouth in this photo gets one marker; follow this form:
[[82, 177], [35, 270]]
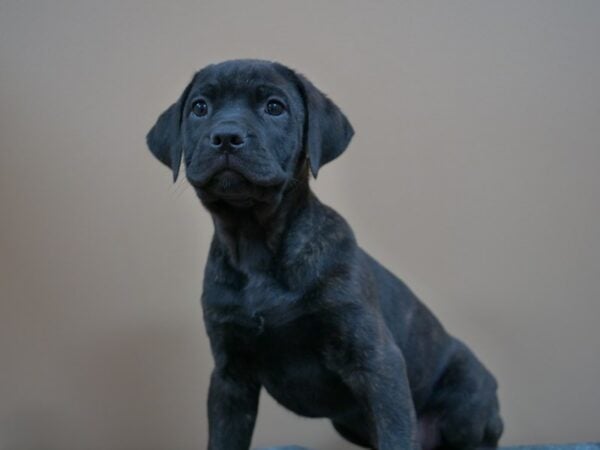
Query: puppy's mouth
[[228, 183], [233, 188], [227, 173]]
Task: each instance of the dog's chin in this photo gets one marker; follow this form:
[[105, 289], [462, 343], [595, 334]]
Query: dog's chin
[[232, 188], [227, 182]]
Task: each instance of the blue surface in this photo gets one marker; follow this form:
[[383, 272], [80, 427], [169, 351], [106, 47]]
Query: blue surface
[[582, 446], [287, 447]]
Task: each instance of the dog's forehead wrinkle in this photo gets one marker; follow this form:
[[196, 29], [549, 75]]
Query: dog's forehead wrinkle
[[240, 76]]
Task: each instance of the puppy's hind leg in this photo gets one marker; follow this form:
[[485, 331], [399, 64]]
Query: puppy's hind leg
[[466, 405], [493, 431]]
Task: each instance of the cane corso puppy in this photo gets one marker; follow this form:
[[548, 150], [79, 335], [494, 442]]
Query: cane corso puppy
[[290, 301]]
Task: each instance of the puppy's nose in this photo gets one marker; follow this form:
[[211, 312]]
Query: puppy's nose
[[227, 137]]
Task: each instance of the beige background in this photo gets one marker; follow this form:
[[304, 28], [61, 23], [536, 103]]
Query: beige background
[[473, 175]]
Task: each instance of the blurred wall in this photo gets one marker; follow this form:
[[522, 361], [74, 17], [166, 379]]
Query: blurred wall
[[474, 175]]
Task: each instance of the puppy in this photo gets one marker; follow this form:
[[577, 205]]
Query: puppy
[[291, 303]]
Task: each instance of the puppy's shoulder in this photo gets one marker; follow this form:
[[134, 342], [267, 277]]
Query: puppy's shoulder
[[317, 241], [319, 230]]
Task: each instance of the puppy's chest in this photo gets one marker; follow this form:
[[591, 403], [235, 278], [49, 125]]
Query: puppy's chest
[[291, 365], [260, 302], [280, 337]]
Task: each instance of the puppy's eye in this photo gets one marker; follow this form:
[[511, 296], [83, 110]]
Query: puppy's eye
[[200, 108], [274, 108]]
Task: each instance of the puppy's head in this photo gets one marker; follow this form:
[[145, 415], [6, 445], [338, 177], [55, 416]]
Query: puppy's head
[[244, 129]]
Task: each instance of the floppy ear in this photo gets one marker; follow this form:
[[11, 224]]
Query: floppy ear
[[327, 131], [164, 139]]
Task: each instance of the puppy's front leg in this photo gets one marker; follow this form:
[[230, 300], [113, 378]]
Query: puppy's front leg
[[232, 407], [375, 372]]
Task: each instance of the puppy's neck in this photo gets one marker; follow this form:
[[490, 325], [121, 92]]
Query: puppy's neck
[[252, 237]]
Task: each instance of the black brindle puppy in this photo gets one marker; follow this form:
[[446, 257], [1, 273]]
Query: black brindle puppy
[[290, 301]]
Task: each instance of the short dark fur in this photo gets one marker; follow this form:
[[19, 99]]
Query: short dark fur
[[290, 301]]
